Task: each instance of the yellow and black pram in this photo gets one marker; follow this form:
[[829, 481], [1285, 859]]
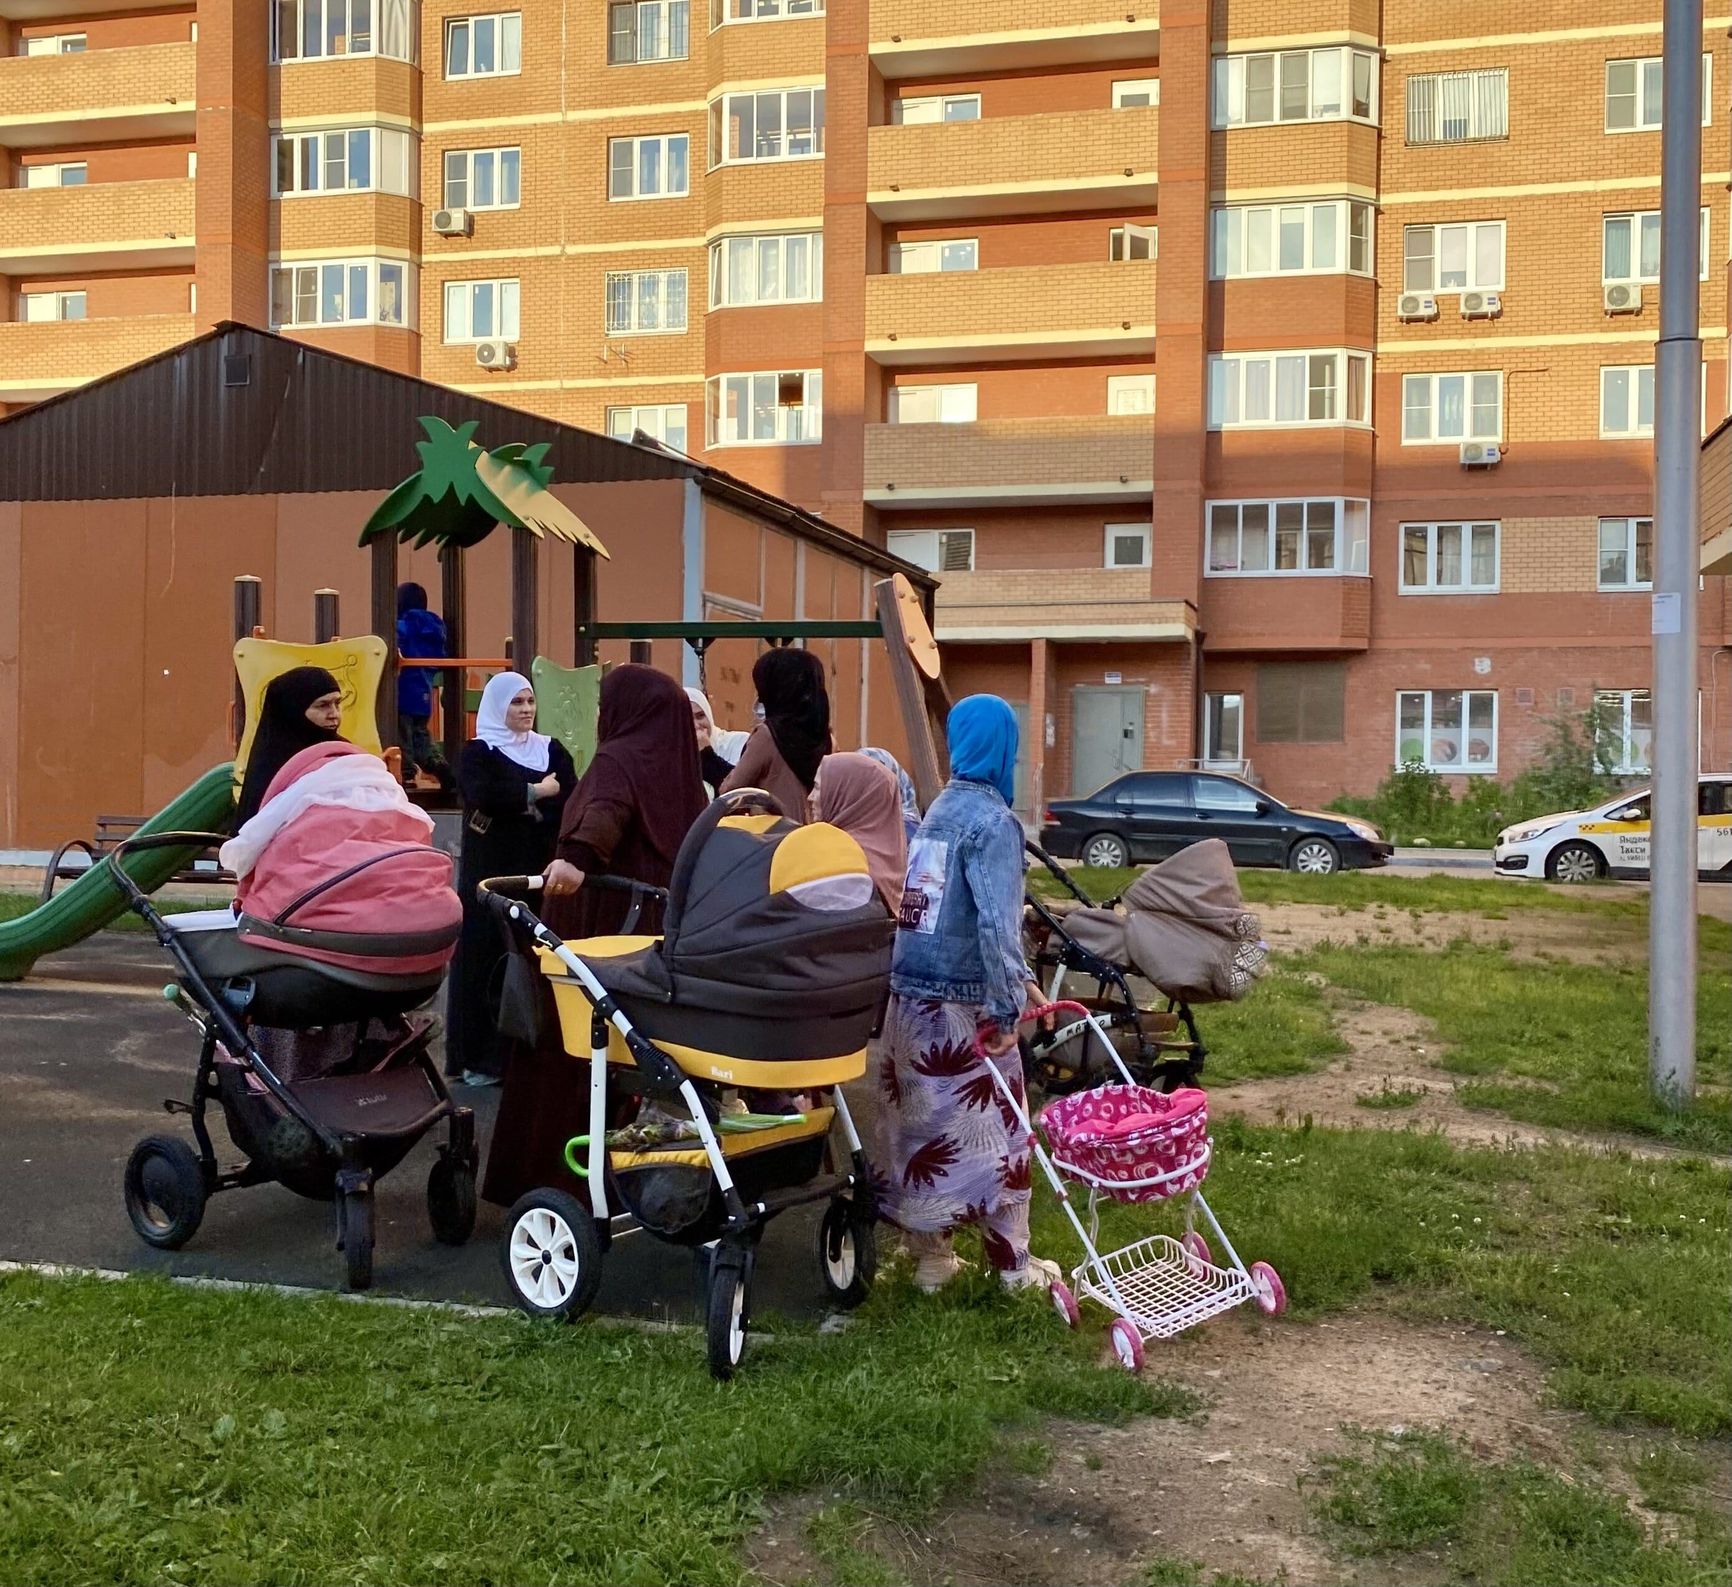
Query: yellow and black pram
[[769, 977]]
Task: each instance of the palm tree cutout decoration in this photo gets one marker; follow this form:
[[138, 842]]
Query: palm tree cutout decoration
[[462, 491]]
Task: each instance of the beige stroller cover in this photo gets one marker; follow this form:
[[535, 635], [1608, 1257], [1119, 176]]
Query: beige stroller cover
[[1183, 925]]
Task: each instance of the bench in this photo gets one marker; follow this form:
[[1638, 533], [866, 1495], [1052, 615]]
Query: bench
[[111, 831]]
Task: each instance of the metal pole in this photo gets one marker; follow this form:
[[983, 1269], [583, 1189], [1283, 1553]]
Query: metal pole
[[326, 618], [249, 606], [1677, 554]]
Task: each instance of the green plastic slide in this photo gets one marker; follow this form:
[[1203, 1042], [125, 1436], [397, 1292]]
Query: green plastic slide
[[93, 900]]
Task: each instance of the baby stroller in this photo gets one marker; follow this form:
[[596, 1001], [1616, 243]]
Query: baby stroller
[[328, 1136], [1181, 926], [770, 975]]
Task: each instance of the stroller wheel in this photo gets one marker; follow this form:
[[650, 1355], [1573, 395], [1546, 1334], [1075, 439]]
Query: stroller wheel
[[1269, 1292], [1127, 1344], [847, 1253], [1197, 1253], [451, 1199], [1064, 1303], [355, 1236], [165, 1191], [551, 1254], [727, 1316]]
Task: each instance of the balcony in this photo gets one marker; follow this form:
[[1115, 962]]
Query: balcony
[[1287, 613], [1014, 165], [1004, 605], [1064, 311], [101, 96], [1052, 461], [111, 226], [39, 360], [913, 38]]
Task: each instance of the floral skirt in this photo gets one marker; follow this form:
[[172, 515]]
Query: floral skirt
[[950, 1148]]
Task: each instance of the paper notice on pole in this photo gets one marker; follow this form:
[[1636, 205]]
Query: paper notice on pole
[[1668, 613]]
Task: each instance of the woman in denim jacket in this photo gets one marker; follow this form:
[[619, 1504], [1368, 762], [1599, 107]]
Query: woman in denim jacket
[[951, 1149]]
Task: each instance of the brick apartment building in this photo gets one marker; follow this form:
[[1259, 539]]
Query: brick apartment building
[[1391, 500]]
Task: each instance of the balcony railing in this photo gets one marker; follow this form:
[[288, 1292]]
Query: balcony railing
[[1073, 459], [1003, 604], [42, 358], [97, 96], [109, 226], [914, 38]]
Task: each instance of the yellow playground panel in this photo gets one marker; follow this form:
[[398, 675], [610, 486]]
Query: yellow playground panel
[[357, 664]]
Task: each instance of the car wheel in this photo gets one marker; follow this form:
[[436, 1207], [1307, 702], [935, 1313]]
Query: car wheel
[[1575, 862], [1106, 850], [1314, 856]]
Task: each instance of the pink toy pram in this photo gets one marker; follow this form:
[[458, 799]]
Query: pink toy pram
[[1134, 1144]]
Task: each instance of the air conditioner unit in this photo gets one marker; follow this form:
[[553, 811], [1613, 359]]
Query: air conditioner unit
[[453, 222], [1481, 305], [1624, 298], [1416, 306], [496, 355], [1480, 454]]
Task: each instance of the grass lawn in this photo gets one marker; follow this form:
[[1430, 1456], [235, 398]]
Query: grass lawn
[[15, 905]]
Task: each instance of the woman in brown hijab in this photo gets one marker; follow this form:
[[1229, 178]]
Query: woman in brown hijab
[[627, 817], [783, 752], [858, 795]]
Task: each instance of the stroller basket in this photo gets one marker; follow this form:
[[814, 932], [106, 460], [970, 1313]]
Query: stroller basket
[[1165, 1157], [1162, 1287]]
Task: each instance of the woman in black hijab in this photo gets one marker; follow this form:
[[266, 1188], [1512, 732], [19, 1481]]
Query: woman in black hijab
[[301, 708], [783, 752]]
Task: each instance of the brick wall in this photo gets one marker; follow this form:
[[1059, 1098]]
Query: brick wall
[[1053, 147], [1007, 452], [1028, 299], [98, 80], [917, 19], [77, 217], [74, 351]]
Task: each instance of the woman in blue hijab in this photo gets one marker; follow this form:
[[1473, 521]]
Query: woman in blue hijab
[[951, 1153]]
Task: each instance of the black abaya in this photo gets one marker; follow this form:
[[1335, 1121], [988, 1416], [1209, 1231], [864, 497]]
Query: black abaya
[[502, 836]]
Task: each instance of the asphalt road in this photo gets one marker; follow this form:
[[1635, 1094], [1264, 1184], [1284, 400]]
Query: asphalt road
[[88, 1053]]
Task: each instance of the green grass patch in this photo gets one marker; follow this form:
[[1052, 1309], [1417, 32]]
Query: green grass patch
[[1613, 1272], [1282, 1027], [1507, 1522], [154, 1433], [1557, 1044], [1387, 1097], [15, 905]]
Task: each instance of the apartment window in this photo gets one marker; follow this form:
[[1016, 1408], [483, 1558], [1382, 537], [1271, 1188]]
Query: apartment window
[[923, 258], [485, 46], [1626, 553], [924, 109], [768, 408], [478, 311], [342, 292], [483, 178], [1630, 246], [1133, 93], [54, 44], [1447, 729], [1130, 394], [1328, 536], [1458, 107], [1292, 239], [1133, 242], [665, 423], [1129, 545], [725, 11], [1634, 90], [316, 29], [36, 307], [1249, 390], [345, 160], [645, 300], [1302, 702], [1627, 400], [936, 550], [780, 267], [934, 404], [1449, 558], [1295, 85], [654, 167], [1626, 735], [777, 124], [1454, 258], [67, 175], [1437, 408], [641, 31]]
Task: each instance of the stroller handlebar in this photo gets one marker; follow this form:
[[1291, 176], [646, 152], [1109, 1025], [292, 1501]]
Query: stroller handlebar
[[510, 886], [1063, 1006]]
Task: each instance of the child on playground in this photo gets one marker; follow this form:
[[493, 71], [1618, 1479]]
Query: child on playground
[[420, 633]]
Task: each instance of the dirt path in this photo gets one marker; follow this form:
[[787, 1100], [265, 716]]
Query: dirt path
[[1226, 1487], [1529, 936]]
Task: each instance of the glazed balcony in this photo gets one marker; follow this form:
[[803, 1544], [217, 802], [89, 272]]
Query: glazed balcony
[[913, 38], [1014, 165], [1073, 460], [111, 226], [1029, 311], [98, 96], [1004, 605], [42, 358]]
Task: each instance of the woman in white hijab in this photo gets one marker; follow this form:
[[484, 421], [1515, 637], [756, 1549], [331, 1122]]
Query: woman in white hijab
[[719, 749], [515, 782]]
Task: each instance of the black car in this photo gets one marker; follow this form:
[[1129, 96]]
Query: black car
[[1147, 815]]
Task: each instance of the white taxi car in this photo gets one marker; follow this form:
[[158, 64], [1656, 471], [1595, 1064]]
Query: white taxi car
[[1612, 840]]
